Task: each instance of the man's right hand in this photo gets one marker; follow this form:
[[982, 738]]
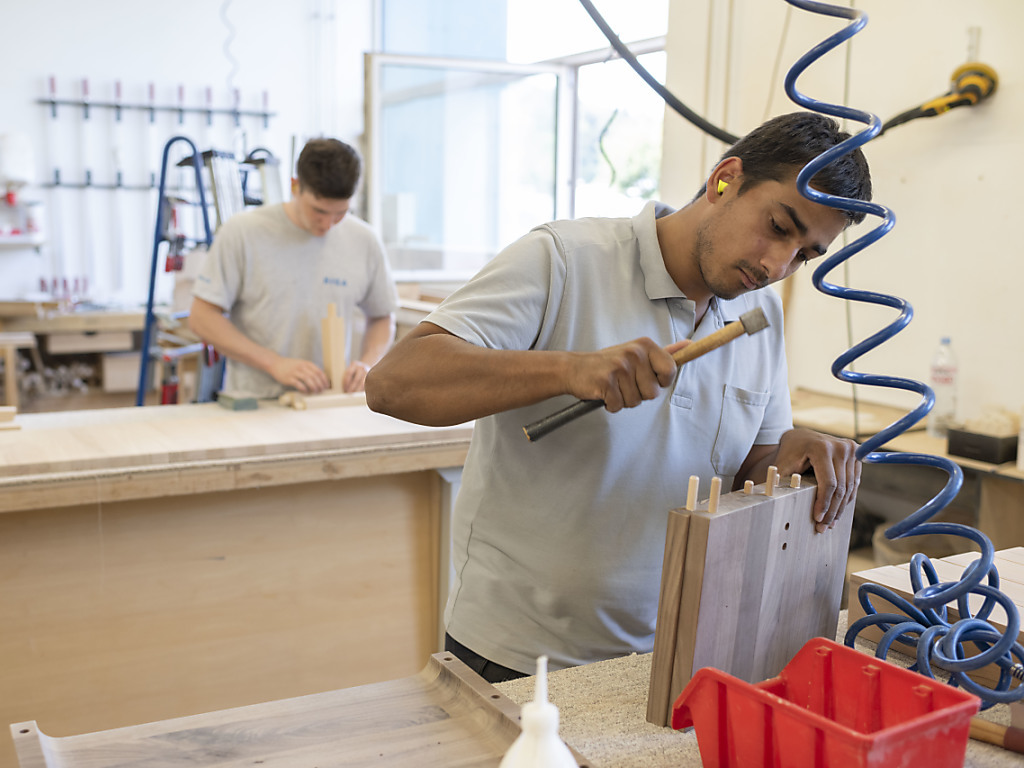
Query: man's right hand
[[299, 374], [625, 375]]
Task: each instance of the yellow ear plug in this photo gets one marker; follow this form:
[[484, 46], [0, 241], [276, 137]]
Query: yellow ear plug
[[721, 186]]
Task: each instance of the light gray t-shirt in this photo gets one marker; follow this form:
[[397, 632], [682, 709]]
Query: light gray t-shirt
[[276, 280], [558, 544]]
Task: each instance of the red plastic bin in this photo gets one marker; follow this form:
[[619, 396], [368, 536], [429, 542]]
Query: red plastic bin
[[830, 707]]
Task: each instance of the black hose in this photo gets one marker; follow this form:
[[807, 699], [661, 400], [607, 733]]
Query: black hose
[[668, 96]]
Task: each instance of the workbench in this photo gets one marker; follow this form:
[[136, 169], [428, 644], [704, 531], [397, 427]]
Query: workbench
[[440, 717], [603, 716], [992, 493], [165, 561]]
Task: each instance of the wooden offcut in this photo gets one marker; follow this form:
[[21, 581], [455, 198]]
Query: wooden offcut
[[303, 402], [744, 588]]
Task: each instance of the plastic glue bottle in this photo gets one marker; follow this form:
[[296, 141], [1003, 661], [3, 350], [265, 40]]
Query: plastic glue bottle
[[539, 745]]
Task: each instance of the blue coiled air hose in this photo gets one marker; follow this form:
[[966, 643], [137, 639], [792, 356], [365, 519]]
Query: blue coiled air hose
[[923, 623]]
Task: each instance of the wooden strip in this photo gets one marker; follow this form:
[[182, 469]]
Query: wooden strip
[[659, 699], [8, 412], [689, 603]]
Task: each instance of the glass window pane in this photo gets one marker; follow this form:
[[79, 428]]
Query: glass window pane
[[619, 137], [539, 30], [467, 162]]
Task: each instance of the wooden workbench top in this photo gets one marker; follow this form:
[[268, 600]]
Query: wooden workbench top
[[147, 451], [603, 710]]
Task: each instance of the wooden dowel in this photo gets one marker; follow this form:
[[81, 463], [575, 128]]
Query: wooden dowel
[[716, 492], [691, 494]]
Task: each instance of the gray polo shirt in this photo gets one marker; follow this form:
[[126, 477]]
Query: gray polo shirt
[[276, 280], [558, 544]]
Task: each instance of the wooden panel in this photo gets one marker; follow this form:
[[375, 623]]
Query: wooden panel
[[444, 716], [128, 612], [758, 582]]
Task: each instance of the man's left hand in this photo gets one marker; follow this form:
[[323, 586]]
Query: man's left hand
[[835, 465]]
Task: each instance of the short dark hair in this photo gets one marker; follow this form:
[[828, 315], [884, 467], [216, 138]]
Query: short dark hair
[[777, 150], [329, 168]]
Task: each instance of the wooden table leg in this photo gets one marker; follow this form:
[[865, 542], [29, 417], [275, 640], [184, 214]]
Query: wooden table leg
[[11, 376]]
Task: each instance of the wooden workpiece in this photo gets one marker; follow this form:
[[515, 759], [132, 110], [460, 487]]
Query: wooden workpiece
[[303, 402], [744, 588], [332, 332]]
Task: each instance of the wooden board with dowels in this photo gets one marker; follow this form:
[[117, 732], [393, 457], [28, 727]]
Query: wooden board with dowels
[[744, 586]]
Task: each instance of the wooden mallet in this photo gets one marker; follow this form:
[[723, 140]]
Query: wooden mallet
[[749, 323]]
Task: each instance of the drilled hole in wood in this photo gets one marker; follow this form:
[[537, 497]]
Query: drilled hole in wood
[[787, 526], [784, 545]]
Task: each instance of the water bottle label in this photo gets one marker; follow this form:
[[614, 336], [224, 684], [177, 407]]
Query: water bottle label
[[944, 376]]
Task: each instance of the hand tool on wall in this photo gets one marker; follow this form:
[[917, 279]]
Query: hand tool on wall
[[749, 323], [117, 205], [54, 238], [87, 262]]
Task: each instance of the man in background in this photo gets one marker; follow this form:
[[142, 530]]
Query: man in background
[[272, 271]]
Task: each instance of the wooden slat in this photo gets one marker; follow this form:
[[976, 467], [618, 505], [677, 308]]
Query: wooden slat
[[659, 700]]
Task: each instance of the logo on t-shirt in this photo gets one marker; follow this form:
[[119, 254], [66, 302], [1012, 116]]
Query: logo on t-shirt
[[338, 281]]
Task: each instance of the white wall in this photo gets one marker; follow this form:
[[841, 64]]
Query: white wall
[[953, 181], [294, 51]]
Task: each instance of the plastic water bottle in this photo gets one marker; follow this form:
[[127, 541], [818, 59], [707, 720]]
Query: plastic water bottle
[[943, 383]]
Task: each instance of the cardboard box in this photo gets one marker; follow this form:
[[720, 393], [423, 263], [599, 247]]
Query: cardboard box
[[994, 449]]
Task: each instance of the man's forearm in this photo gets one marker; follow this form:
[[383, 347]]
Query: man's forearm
[[218, 331], [439, 380], [380, 333]]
